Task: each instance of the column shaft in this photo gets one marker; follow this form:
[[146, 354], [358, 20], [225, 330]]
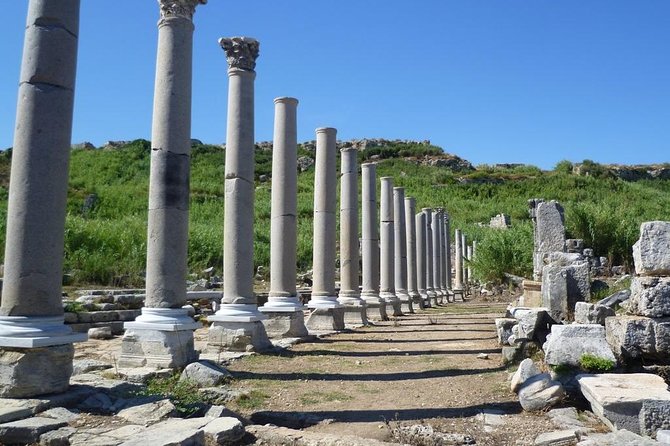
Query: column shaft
[[430, 290], [349, 256], [464, 258], [447, 243], [410, 228], [387, 246], [437, 252], [421, 253], [370, 236], [400, 244], [458, 260]]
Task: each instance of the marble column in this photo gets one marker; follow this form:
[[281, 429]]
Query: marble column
[[376, 306], [447, 250], [237, 325], [420, 219], [350, 297], [328, 313], [162, 336], [458, 261], [387, 245], [464, 264], [410, 230], [36, 349], [437, 256], [284, 309], [400, 251], [468, 253], [430, 289]]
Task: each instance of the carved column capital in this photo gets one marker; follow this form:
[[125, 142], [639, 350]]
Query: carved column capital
[[179, 8], [241, 52]]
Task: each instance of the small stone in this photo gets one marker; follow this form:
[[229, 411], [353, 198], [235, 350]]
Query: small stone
[[59, 437], [556, 438], [81, 366], [224, 430], [148, 413], [540, 393], [100, 333], [526, 370], [205, 374], [482, 356]]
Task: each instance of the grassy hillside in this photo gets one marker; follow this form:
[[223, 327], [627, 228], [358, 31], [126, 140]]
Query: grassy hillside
[[106, 242]]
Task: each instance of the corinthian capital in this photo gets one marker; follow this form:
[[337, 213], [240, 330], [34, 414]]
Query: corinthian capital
[[241, 52], [179, 8]]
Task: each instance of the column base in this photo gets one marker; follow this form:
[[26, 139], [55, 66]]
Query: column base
[[405, 302], [249, 336], [36, 332], [431, 300], [326, 319], [160, 338], [29, 372], [392, 301], [282, 304], [284, 324], [459, 292], [376, 307], [323, 302], [355, 314], [420, 299]]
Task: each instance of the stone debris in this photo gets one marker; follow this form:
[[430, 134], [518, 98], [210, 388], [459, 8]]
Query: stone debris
[[504, 329], [588, 313], [654, 416], [536, 390], [621, 437], [81, 366], [650, 297], [568, 343], [61, 414], [617, 399], [148, 413], [663, 437], [615, 299], [205, 374], [556, 438], [224, 431], [27, 430], [651, 253], [59, 437], [527, 369], [567, 418], [638, 337], [279, 436], [100, 333]]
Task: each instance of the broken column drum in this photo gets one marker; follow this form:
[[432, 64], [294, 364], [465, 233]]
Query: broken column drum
[[410, 229], [349, 296], [33, 336], [430, 289], [387, 247], [284, 308], [421, 258], [400, 251], [162, 336], [328, 313], [237, 324], [376, 306]]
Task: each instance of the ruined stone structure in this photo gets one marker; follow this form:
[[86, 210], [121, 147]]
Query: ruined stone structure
[[548, 231], [400, 250], [421, 259], [387, 247], [410, 230], [430, 265], [163, 335]]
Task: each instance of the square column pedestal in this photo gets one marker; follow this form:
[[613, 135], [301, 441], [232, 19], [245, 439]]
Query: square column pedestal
[[376, 307], [159, 338], [420, 300], [284, 318], [239, 328], [355, 311], [35, 355], [327, 315], [405, 302]]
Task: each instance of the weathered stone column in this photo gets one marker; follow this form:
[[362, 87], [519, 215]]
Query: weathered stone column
[[354, 307], [464, 258], [421, 258], [400, 251], [35, 345], [328, 313], [162, 336], [370, 244], [469, 257], [237, 324], [284, 308], [447, 250], [410, 228], [437, 256], [458, 261], [443, 260], [387, 252], [430, 290]]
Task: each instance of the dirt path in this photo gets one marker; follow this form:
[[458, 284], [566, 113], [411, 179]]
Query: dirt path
[[419, 367]]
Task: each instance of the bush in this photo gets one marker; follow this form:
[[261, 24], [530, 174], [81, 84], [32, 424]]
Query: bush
[[593, 363], [564, 167], [504, 251]]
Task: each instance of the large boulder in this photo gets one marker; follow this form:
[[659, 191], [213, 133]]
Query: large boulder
[[651, 253], [540, 393], [568, 343], [639, 337], [650, 296], [527, 369]]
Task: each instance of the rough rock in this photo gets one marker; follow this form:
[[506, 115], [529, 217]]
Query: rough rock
[[25, 373], [104, 436], [14, 409], [568, 343], [304, 163], [588, 313], [650, 296], [205, 374], [27, 430], [651, 253], [100, 333], [279, 436], [61, 414], [224, 431], [59, 437], [639, 337], [654, 416], [172, 432], [526, 370], [663, 436], [569, 418], [617, 398], [519, 351], [98, 403], [504, 329], [148, 413], [540, 393], [556, 438], [619, 438], [80, 366]]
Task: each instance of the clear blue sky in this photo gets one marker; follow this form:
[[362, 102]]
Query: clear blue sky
[[532, 81]]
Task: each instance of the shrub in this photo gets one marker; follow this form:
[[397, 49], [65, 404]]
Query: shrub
[[564, 167], [504, 251], [593, 363]]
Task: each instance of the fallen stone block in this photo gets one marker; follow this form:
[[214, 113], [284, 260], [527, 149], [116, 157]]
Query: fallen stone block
[[615, 299], [100, 333], [519, 351], [279, 436], [650, 296], [81, 366], [638, 337], [504, 329], [651, 253], [617, 398], [534, 325], [224, 431], [620, 437], [556, 438], [12, 409], [59, 437], [148, 413], [172, 432], [28, 430], [568, 343], [654, 416], [567, 418], [588, 313], [205, 374], [61, 414]]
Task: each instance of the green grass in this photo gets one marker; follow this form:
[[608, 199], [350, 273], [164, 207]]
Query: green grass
[[106, 245], [185, 394], [255, 399], [324, 397], [596, 364]]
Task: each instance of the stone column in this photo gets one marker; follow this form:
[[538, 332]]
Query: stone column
[[443, 259], [410, 228], [162, 336], [447, 248], [237, 324], [387, 245], [354, 307], [370, 244], [421, 258], [35, 346], [468, 252], [328, 313], [458, 261], [400, 251], [437, 256], [430, 290], [284, 309], [464, 267]]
